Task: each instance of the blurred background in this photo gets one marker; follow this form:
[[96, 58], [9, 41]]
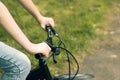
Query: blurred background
[[80, 23]]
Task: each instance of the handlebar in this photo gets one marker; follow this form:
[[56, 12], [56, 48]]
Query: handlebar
[[51, 32], [55, 49]]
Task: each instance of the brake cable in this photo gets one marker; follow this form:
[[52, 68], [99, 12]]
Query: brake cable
[[56, 49]]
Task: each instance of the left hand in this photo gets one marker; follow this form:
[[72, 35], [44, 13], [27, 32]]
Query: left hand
[[42, 48]]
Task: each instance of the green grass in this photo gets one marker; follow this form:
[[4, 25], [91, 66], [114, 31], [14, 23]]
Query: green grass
[[79, 22]]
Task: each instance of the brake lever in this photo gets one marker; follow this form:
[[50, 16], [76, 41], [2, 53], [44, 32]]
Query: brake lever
[[55, 50]]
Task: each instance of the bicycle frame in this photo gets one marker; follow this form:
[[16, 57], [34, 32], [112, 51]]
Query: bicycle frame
[[40, 73]]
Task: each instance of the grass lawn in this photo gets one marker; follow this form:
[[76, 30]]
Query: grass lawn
[[79, 22]]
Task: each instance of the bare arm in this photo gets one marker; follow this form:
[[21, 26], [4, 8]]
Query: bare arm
[[31, 8], [11, 27], [8, 23]]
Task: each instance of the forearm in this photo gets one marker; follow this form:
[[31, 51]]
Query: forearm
[[30, 7], [17, 34], [8, 23]]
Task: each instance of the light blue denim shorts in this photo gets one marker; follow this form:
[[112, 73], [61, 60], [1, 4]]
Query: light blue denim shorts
[[14, 63]]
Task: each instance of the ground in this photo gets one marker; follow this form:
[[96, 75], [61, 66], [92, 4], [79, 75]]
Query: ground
[[105, 62]]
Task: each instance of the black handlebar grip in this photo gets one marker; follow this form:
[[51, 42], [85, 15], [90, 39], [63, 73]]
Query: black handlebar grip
[[50, 29], [47, 27], [38, 56]]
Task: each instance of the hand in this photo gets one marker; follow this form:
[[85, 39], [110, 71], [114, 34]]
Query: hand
[[42, 48], [46, 20]]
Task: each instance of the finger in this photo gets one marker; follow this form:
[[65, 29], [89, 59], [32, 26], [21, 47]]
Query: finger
[[43, 26], [52, 22]]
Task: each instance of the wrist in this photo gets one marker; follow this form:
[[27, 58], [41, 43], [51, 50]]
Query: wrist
[[30, 48], [39, 17], [27, 46]]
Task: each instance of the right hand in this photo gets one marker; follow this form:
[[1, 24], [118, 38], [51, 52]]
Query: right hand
[[46, 20]]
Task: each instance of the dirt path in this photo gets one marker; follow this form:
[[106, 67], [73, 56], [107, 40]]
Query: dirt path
[[105, 63]]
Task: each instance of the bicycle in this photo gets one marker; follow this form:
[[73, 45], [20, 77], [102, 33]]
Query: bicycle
[[42, 72]]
